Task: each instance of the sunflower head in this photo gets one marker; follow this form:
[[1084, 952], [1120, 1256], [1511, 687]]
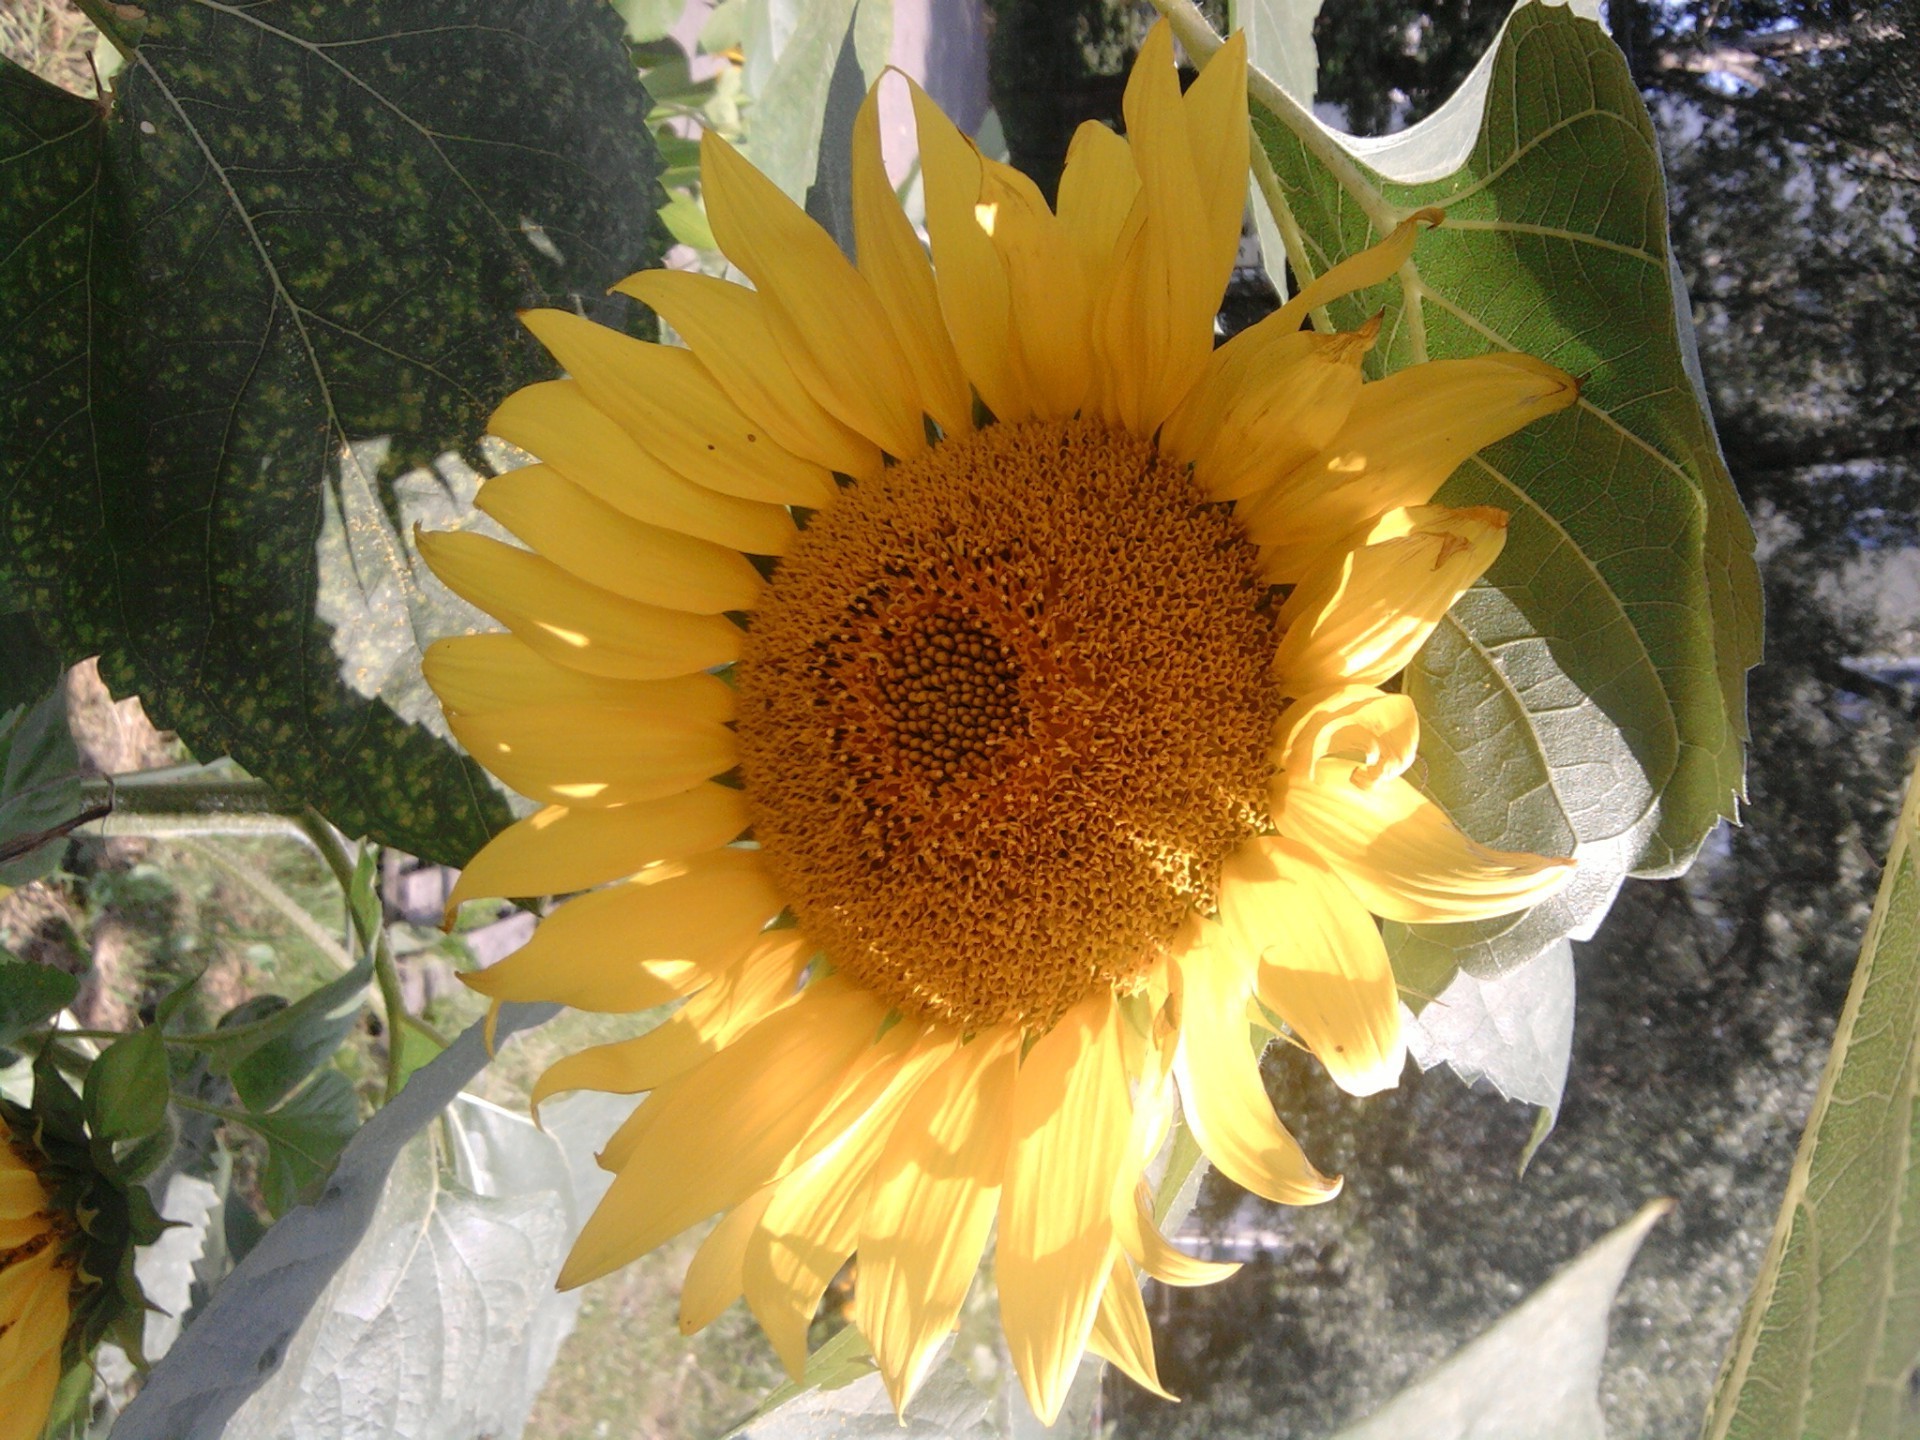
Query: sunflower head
[[966, 692], [70, 1220]]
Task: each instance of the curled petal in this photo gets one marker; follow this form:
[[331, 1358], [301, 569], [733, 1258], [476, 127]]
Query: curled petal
[[1354, 722], [1322, 966], [1140, 1237], [1364, 615], [1402, 856], [1260, 411]]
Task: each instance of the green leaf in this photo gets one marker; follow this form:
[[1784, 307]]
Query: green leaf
[[28, 665], [55, 196], [1588, 698], [278, 1044], [30, 994], [39, 787], [789, 83], [417, 1049], [725, 27], [1830, 1342], [1536, 1374], [648, 19], [455, 1273], [126, 1089], [281, 280], [305, 1136], [241, 1336]]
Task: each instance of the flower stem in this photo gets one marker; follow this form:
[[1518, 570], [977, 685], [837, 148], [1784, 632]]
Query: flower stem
[[372, 936]]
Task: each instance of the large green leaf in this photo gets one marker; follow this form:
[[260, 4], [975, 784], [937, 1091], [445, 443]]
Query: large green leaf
[[245, 1332], [1830, 1343], [1589, 697], [243, 311]]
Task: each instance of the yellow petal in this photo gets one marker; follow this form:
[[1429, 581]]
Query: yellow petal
[[1098, 189], [560, 849], [38, 1322], [571, 622], [1404, 436], [933, 1199], [713, 1280], [895, 265], [1323, 968], [1154, 328], [1218, 1070], [1047, 292], [594, 754], [1218, 138], [726, 1129], [1354, 722], [1370, 267], [817, 1213], [1071, 1124], [606, 548], [21, 1192], [968, 273], [669, 404], [1140, 1237], [1362, 616], [1121, 1334], [30, 1392], [1255, 415], [826, 318], [23, 1280], [643, 943], [1402, 856], [556, 421], [762, 981], [19, 1230], [726, 326], [472, 673]]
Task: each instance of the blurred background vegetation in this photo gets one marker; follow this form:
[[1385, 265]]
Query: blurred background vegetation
[[1705, 1005]]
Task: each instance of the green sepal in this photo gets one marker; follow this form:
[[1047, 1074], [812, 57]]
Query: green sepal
[[101, 1213]]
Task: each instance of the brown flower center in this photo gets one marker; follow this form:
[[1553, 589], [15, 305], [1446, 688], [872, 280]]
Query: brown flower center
[[1003, 714]]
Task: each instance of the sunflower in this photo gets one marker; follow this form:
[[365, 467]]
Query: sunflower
[[36, 1271], [971, 678]]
